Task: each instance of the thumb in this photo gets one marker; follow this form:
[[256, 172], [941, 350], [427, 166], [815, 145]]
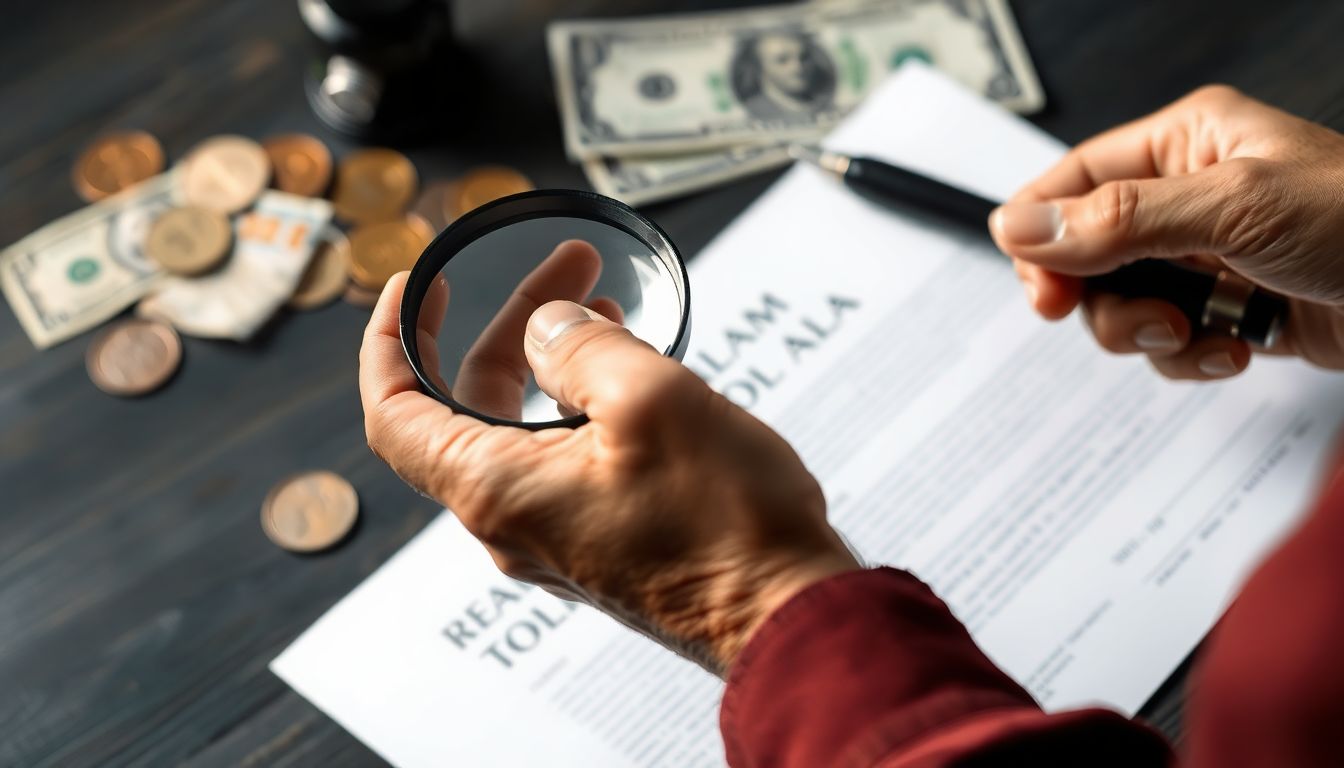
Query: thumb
[[591, 365], [1123, 221]]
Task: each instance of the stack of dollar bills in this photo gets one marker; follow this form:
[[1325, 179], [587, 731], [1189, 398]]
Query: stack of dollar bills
[[657, 107]]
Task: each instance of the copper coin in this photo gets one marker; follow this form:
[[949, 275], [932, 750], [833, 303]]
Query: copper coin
[[301, 164], [134, 357], [327, 274], [359, 296], [482, 185], [437, 204], [379, 251], [225, 173], [189, 241], [117, 161], [373, 185], [310, 511]]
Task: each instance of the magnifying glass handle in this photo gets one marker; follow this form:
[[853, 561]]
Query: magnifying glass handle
[[1213, 300]]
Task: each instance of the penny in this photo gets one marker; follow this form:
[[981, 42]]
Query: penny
[[437, 204], [189, 241], [482, 185], [359, 296], [373, 185], [225, 173], [134, 357], [310, 511], [327, 274], [301, 164], [379, 251], [116, 161]]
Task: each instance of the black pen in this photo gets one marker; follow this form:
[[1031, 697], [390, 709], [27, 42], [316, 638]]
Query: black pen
[[1215, 301]]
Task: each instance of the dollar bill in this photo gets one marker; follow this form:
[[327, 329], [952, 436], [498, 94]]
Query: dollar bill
[[640, 180], [82, 269], [272, 246], [690, 83]]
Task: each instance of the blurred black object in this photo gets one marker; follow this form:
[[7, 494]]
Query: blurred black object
[[383, 69]]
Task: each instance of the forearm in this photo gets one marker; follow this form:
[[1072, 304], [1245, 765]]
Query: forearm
[[870, 668]]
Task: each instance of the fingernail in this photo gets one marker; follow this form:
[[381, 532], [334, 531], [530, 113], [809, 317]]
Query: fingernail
[[1156, 337], [1032, 293], [550, 322], [1217, 364], [1030, 223]]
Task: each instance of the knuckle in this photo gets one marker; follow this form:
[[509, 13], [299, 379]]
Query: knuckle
[[1116, 206], [375, 429], [1253, 218], [1215, 94], [661, 386]]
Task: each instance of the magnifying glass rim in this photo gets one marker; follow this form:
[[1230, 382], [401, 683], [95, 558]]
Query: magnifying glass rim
[[525, 206]]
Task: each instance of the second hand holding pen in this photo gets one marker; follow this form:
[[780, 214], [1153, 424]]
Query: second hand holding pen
[[1214, 301]]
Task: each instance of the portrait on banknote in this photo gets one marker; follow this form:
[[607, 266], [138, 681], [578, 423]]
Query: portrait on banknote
[[782, 74]]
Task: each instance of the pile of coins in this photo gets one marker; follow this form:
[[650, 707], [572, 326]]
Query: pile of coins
[[386, 219]]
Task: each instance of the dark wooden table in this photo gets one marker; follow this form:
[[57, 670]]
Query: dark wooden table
[[139, 600]]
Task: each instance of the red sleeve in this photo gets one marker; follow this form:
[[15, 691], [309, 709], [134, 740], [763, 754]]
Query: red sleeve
[[1269, 690], [870, 668]]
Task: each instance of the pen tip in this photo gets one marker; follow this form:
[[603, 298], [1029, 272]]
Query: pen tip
[[827, 161]]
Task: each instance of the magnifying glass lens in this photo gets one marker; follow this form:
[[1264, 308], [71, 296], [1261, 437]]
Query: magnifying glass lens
[[472, 323]]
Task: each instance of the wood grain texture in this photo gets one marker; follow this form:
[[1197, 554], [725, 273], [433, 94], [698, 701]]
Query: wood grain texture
[[139, 600]]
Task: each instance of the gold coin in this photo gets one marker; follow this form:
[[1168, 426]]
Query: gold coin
[[327, 274], [189, 241], [482, 185], [359, 296], [301, 164], [310, 511], [117, 161], [225, 173], [134, 357], [379, 251], [437, 203], [373, 185]]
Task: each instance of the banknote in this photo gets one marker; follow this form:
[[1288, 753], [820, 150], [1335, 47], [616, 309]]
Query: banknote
[[677, 84], [82, 269], [640, 180], [272, 245]]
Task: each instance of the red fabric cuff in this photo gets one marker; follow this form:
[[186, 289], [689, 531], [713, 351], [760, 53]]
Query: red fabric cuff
[[871, 667], [849, 668]]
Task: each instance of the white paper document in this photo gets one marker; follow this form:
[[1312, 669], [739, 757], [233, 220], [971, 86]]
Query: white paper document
[[1085, 518]]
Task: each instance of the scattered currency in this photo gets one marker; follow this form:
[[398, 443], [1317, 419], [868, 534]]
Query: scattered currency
[[482, 185], [115, 162], [437, 204], [189, 240], [327, 274], [272, 246], [185, 244], [373, 185], [134, 357], [656, 107], [310, 512], [379, 251], [300, 163], [225, 173], [82, 269]]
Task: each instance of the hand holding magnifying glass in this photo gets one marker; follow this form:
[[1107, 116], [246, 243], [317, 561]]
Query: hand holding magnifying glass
[[669, 507]]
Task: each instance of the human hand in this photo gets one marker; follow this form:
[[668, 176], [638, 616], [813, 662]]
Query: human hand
[[1216, 177], [672, 510]]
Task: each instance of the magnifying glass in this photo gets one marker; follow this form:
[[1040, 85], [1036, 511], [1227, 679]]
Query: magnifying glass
[[465, 309]]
